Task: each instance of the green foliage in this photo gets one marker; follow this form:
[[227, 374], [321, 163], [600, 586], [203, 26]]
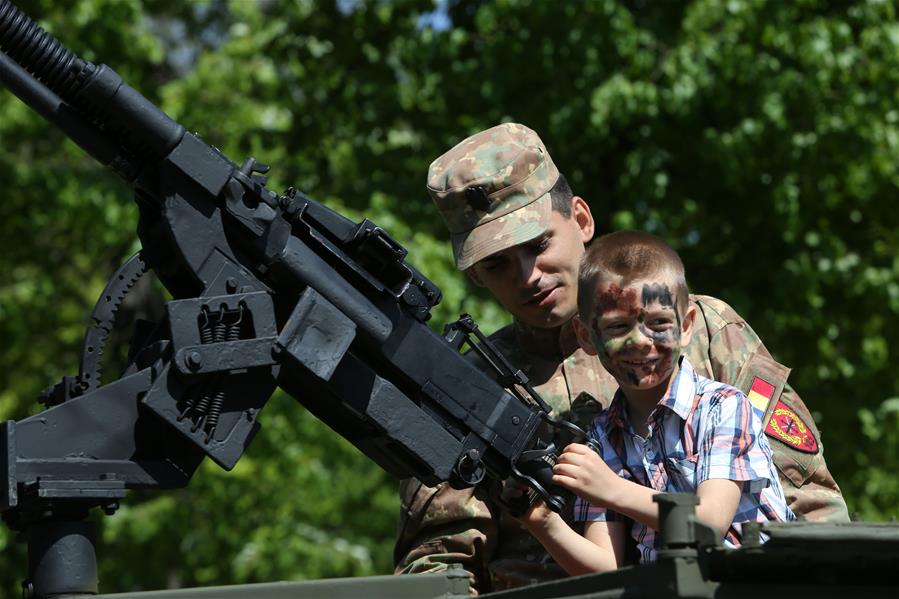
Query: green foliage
[[760, 137], [875, 481]]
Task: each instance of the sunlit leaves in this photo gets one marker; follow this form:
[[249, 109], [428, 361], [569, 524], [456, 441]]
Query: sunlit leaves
[[759, 137]]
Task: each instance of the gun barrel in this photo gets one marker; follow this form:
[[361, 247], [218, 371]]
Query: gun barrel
[[39, 97], [39, 52], [93, 93]]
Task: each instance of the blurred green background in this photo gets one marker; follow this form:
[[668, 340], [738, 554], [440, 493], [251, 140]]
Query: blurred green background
[[759, 137]]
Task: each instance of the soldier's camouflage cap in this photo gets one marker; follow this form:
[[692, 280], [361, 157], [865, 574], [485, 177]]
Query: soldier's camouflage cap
[[492, 190]]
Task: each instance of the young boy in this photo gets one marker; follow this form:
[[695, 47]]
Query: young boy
[[667, 428]]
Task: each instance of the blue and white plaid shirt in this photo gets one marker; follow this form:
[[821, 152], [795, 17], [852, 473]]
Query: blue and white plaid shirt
[[701, 429]]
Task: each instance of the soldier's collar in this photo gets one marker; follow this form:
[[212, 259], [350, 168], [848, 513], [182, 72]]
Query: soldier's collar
[[557, 342]]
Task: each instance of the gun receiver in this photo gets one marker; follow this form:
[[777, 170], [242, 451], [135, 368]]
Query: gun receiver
[[269, 290]]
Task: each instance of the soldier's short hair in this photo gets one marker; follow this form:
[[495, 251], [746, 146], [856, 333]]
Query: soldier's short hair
[[560, 196], [629, 255]]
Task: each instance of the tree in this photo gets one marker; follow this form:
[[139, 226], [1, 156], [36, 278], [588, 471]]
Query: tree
[[759, 137]]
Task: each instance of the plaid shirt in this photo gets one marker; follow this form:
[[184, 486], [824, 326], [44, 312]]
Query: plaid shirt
[[701, 429]]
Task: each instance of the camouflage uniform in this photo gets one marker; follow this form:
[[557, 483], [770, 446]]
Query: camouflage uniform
[[440, 525]]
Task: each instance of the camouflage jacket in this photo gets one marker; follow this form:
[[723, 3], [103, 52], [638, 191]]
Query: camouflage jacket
[[441, 526]]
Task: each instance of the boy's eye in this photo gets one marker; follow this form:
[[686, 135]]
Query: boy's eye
[[616, 328]]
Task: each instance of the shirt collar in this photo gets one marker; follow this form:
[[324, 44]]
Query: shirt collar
[[616, 412], [681, 390]]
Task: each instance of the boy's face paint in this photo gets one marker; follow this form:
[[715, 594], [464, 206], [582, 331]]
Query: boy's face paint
[[637, 331]]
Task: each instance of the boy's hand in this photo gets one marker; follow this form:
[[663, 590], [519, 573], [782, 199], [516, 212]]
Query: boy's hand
[[584, 473], [538, 516], [540, 520]]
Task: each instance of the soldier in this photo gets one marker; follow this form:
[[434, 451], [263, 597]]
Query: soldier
[[518, 230]]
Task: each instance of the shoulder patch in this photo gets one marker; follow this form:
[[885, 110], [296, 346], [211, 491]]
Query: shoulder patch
[[760, 394], [787, 427]]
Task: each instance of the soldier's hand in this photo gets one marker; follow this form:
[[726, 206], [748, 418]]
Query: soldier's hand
[[584, 473]]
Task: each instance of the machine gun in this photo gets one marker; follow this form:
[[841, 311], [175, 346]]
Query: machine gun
[[269, 290]]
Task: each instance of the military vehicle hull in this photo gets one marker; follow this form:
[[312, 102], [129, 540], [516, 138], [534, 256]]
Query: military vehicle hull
[[798, 559]]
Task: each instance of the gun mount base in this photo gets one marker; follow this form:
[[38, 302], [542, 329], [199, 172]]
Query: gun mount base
[[62, 559]]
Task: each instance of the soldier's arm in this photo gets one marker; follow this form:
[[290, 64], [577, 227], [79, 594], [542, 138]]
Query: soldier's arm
[[737, 356], [440, 526], [811, 491]]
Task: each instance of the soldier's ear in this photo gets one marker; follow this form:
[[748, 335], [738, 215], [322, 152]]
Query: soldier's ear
[[584, 339], [583, 218], [686, 326]]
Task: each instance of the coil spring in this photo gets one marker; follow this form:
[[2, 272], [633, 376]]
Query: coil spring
[[215, 410], [188, 407], [206, 335], [200, 409], [220, 330], [205, 407], [230, 332], [38, 52], [233, 333]]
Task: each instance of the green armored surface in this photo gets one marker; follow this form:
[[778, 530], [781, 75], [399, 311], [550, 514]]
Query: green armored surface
[[799, 559], [447, 585]]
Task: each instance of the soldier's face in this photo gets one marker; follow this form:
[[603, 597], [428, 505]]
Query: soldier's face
[[637, 330], [537, 281]]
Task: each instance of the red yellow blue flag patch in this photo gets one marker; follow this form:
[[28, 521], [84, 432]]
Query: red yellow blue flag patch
[[760, 394]]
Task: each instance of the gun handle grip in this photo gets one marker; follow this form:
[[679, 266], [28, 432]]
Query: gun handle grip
[[558, 498]]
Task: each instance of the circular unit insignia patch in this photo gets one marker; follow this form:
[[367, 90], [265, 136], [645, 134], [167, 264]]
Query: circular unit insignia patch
[[786, 426]]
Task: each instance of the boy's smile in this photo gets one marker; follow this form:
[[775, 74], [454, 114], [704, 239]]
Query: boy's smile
[[637, 331]]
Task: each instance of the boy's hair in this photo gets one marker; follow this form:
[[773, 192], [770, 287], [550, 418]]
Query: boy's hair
[[629, 255]]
